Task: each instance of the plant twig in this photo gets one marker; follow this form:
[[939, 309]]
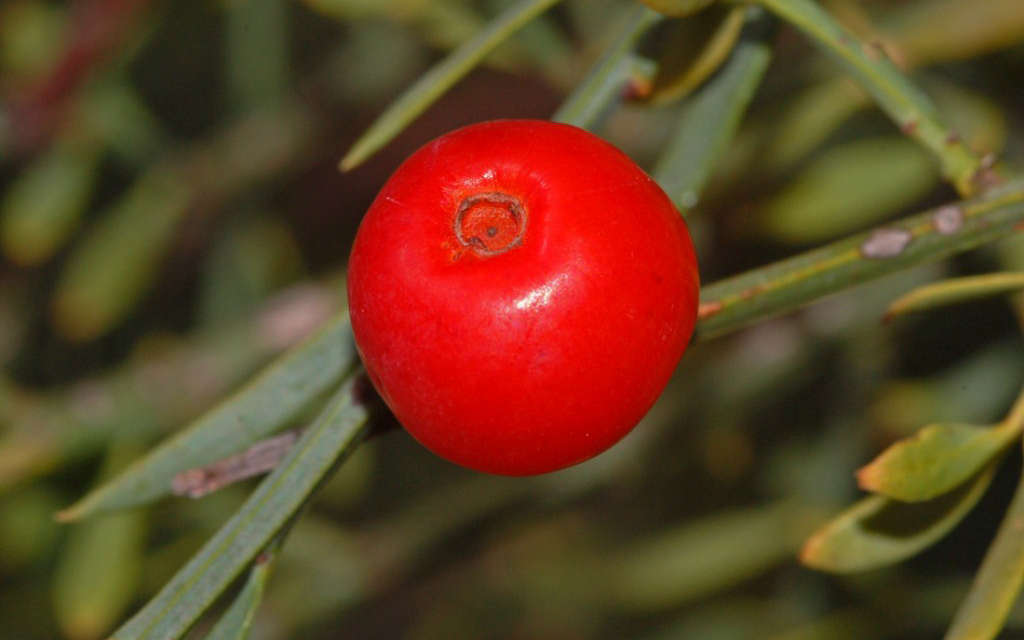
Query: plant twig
[[788, 284], [908, 107], [256, 460]]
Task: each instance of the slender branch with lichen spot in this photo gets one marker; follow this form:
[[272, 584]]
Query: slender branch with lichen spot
[[908, 107], [788, 284]]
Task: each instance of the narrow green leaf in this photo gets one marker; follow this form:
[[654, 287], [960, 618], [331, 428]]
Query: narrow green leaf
[[905, 104], [443, 24], [99, 567], [237, 620], [28, 534], [878, 531], [117, 115], [605, 82], [266, 404], [956, 290], [937, 459], [849, 187], [34, 36], [842, 624], [329, 570], [978, 118], [808, 119], [1011, 252], [712, 115], [14, 314], [944, 30], [976, 388], [997, 584], [113, 268], [257, 64], [156, 392], [98, 574], [704, 557], [109, 272], [814, 114], [545, 45], [334, 434], [439, 79], [253, 258], [42, 207]]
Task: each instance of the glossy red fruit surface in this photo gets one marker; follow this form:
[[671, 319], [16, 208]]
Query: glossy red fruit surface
[[520, 293]]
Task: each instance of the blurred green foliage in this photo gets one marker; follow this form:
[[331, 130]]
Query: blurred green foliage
[[172, 221]]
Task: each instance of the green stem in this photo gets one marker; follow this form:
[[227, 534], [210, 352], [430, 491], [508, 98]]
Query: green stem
[[908, 107], [788, 284]]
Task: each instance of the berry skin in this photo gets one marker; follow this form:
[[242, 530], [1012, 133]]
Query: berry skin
[[520, 293]]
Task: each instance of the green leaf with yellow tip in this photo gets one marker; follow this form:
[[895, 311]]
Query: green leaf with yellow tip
[[937, 459], [878, 531]]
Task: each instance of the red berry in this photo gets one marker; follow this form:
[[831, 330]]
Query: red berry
[[520, 293]]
